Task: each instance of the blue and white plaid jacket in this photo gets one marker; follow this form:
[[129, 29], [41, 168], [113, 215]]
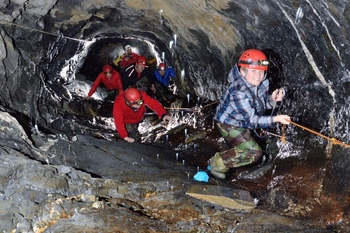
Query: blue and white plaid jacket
[[241, 107]]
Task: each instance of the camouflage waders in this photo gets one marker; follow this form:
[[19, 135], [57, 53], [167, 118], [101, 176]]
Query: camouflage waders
[[161, 91], [133, 131], [143, 84], [245, 149]]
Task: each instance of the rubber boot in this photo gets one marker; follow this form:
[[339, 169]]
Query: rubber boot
[[255, 174], [217, 166]]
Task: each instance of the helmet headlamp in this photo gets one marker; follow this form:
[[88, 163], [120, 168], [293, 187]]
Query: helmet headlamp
[[258, 62], [138, 102], [141, 62]]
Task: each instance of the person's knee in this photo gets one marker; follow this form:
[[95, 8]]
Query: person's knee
[[255, 154]]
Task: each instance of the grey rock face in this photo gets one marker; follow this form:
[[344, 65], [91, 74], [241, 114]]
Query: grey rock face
[[62, 169]]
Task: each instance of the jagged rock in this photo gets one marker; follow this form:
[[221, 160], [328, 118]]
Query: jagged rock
[[62, 160]]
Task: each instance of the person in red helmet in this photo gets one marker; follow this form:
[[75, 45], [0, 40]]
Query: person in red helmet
[[129, 110], [139, 75], [241, 109], [164, 74], [110, 78], [129, 57]]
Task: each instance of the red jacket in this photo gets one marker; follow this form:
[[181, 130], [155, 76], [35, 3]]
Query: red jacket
[[114, 83], [134, 57], [123, 114]]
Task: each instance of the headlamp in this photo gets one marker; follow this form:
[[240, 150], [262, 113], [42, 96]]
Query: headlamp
[[139, 102], [263, 63], [258, 62]]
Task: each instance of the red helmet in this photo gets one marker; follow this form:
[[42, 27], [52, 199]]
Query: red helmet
[[132, 95], [253, 59], [161, 66], [142, 60], [107, 68]]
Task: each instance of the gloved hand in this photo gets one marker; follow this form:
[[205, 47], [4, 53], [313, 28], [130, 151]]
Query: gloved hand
[[129, 139], [153, 88], [166, 118]]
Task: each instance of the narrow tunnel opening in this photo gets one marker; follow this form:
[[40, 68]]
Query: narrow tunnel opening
[[106, 51], [110, 51]]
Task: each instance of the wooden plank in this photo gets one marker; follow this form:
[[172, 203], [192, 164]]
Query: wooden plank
[[224, 196]]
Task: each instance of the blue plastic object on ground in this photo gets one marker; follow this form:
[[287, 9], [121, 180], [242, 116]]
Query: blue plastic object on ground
[[201, 176]]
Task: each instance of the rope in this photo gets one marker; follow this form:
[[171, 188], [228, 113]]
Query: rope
[[189, 109], [217, 101], [264, 133], [49, 33], [332, 140], [194, 109]]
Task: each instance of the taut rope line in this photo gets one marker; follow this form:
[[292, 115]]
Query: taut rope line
[[217, 101], [49, 33], [193, 109], [332, 140]]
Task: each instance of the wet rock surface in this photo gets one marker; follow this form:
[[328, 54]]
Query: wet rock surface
[[97, 185], [102, 185], [65, 170]]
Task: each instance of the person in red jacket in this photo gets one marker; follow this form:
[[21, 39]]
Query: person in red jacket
[[129, 110], [110, 78], [129, 57]]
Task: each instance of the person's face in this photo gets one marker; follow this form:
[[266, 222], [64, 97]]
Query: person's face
[[140, 66], [161, 72], [253, 77], [108, 74], [129, 51]]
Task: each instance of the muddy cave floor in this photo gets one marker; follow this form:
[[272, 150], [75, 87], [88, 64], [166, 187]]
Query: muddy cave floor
[[191, 143]]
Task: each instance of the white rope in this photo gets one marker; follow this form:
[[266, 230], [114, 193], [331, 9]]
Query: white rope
[[49, 33]]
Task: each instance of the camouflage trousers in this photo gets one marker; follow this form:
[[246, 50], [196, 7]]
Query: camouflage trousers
[[245, 150], [133, 131], [161, 91], [143, 84]]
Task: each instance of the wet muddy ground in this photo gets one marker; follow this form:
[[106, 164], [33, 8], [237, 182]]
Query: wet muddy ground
[[286, 186]]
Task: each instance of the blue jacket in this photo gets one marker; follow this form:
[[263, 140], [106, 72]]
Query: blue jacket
[[241, 107], [169, 72]]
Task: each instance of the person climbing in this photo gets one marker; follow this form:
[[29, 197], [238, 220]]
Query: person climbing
[[129, 57], [139, 75], [164, 75], [111, 79], [241, 109], [129, 110]]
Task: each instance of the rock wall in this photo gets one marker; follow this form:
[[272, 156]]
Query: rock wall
[[45, 45]]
